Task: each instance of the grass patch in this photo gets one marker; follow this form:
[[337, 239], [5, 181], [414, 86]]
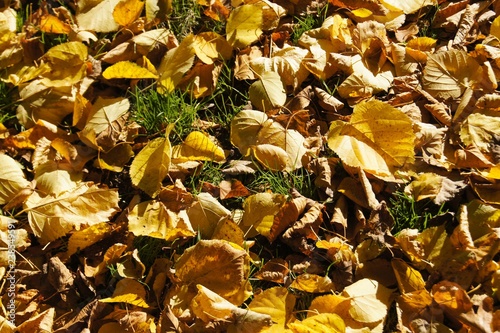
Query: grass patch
[[155, 111], [408, 213], [185, 18], [211, 172], [7, 102], [308, 22], [283, 182]]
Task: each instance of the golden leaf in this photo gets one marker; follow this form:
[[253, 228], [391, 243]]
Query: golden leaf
[[379, 139], [221, 266], [325, 322], [51, 24], [128, 291], [313, 283], [197, 147], [127, 70], [12, 178], [127, 11], [151, 165]]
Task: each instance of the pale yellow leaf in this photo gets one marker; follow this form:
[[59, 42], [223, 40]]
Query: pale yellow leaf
[[244, 129], [495, 27], [42, 322], [369, 300], [481, 131], [97, 15], [151, 165], [51, 217], [12, 178], [379, 138], [220, 266], [205, 214], [268, 92], [244, 25], [153, 219], [197, 147], [270, 156], [54, 178], [448, 74], [127, 70]]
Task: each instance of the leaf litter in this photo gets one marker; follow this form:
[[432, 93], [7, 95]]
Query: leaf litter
[[282, 207]]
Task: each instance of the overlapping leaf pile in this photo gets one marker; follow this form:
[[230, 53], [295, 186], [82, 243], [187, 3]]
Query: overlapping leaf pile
[[365, 104]]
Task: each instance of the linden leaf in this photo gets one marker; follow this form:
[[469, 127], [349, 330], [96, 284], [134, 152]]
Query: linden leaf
[[127, 70], [276, 302], [260, 210], [197, 147], [221, 266], [448, 74], [153, 219], [210, 307], [151, 165], [175, 64], [12, 178], [51, 217], [379, 139], [268, 92], [205, 214], [97, 15], [127, 11], [246, 23], [325, 322], [369, 300], [244, 129]]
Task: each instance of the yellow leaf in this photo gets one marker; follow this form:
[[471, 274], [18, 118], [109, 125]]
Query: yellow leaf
[[151, 165], [480, 130], [448, 74], [175, 64], [197, 147], [51, 217], [67, 64], [128, 291], [260, 210], [379, 138], [369, 300], [82, 239], [127, 11], [116, 158], [153, 219], [12, 178], [272, 157], [268, 92], [228, 230], [211, 307], [42, 322], [409, 279], [205, 213], [313, 283], [244, 25], [220, 266], [325, 322], [54, 178], [244, 129], [210, 46], [276, 302], [51, 24], [495, 27], [127, 70], [432, 186], [97, 15], [329, 304]]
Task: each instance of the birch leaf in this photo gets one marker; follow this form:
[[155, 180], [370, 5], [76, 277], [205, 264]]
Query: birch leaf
[[51, 217], [379, 138]]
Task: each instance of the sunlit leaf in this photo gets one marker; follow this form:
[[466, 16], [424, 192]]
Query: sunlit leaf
[[205, 214], [221, 266], [325, 322], [127, 70], [127, 11], [369, 302], [197, 147], [153, 219], [82, 239], [151, 164], [313, 283], [97, 15], [175, 64], [12, 178], [268, 92], [277, 302], [128, 291], [51, 24], [378, 138], [51, 217]]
